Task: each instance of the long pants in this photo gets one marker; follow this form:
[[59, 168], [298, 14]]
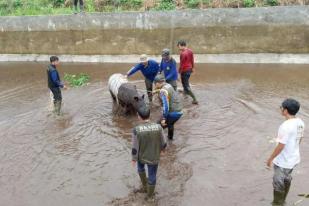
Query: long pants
[[173, 83], [282, 178], [171, 119], [81, 3], [57, 99], [149, 84], [152, 172], [185, 76]]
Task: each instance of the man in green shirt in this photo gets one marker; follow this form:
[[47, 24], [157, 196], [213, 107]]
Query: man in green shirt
[[148, 142]]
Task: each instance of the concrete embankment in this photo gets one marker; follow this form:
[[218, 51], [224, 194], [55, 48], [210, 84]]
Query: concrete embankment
[[275, 34]]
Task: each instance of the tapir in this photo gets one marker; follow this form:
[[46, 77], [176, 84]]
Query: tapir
[[125, 94]]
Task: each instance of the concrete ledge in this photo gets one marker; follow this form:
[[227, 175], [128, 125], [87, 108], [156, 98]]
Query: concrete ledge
[[261, 58], [211, 31]]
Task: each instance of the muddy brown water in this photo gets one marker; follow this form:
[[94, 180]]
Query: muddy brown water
[[83, 158]]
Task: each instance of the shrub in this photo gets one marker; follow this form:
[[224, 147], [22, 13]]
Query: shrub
[[166, 5], [76, 80], [192, 3], [272, 2], [248, 3]]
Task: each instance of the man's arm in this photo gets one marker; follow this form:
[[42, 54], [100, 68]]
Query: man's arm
[[135, 146], [55, 79], [133, 70], [275, 153], [163, 95]]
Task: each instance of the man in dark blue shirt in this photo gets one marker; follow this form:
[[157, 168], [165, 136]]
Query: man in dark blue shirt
[[168, 66], [149, 69], [54, 83]]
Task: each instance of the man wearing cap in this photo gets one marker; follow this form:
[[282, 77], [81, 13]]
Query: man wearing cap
[[186, 68], [149, 69], [168, 66], [148, 142], [171, 105]]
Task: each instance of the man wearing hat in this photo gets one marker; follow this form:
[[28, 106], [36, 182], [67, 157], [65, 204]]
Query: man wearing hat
[[168, 66], [149, 69], [172, 107]]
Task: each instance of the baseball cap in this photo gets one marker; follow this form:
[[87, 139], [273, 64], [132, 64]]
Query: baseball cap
[[165, 52], [159, 78], [143, 58]]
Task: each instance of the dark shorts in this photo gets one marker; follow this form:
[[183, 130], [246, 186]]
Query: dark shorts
[[281, 177], [185, 76]]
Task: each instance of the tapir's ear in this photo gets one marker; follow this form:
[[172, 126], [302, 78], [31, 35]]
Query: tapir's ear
[[136, 98], [143, 96]]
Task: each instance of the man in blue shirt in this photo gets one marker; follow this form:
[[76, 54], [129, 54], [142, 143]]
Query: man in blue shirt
[[168, 66], [54, 83], [149, 69]]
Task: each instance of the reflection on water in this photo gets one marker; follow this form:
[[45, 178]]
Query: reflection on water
[[83, 158]]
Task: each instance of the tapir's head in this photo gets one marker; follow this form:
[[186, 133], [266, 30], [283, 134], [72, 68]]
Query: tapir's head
[[139, 104]]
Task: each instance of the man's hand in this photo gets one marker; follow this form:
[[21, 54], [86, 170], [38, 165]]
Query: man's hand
[[65, 87], [133, 163], [163, 122], [126, 75], [269, 163]]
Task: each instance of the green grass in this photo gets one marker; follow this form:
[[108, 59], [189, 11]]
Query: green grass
[[76, 80], [53, 7]]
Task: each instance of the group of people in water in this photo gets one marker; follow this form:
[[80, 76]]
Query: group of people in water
[[148, 140]]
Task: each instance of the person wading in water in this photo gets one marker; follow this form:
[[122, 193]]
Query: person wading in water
[[54, 83], [149, 69], [171, 104], [148, 142], [286, 155], [186, 68]]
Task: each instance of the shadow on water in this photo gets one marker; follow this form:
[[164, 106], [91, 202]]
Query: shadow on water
[[83, 158]]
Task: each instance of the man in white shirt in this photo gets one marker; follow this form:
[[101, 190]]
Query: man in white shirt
[[286, 154]]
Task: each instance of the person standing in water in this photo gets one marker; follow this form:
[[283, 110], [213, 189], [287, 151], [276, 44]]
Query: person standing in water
[[286, 155], [148, 142], [171, 105], [169, 68], [186, 68], [55, 84], [149, 69]]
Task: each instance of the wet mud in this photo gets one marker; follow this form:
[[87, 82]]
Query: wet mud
[[84, 157]]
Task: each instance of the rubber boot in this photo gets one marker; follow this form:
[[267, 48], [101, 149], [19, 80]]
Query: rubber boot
[[190, 93], [170, 133], [143, 178], [287, 189], [150, 193], [57, 106], [278, 198]]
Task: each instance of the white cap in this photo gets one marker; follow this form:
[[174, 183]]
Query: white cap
[[143, 58]]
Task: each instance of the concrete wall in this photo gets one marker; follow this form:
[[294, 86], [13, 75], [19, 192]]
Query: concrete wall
[[213, 31]]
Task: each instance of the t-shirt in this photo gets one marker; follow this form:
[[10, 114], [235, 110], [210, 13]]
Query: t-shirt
[[290, 132], [149, 72], [186, 61]]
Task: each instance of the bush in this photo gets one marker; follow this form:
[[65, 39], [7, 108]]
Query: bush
[[248, 3], [192, 3], [58, 3], [166, 5], [76, 80], [272, 2]]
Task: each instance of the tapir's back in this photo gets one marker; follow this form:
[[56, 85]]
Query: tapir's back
[[115, 81]]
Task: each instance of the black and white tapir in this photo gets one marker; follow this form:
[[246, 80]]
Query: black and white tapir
[[125, 94]]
